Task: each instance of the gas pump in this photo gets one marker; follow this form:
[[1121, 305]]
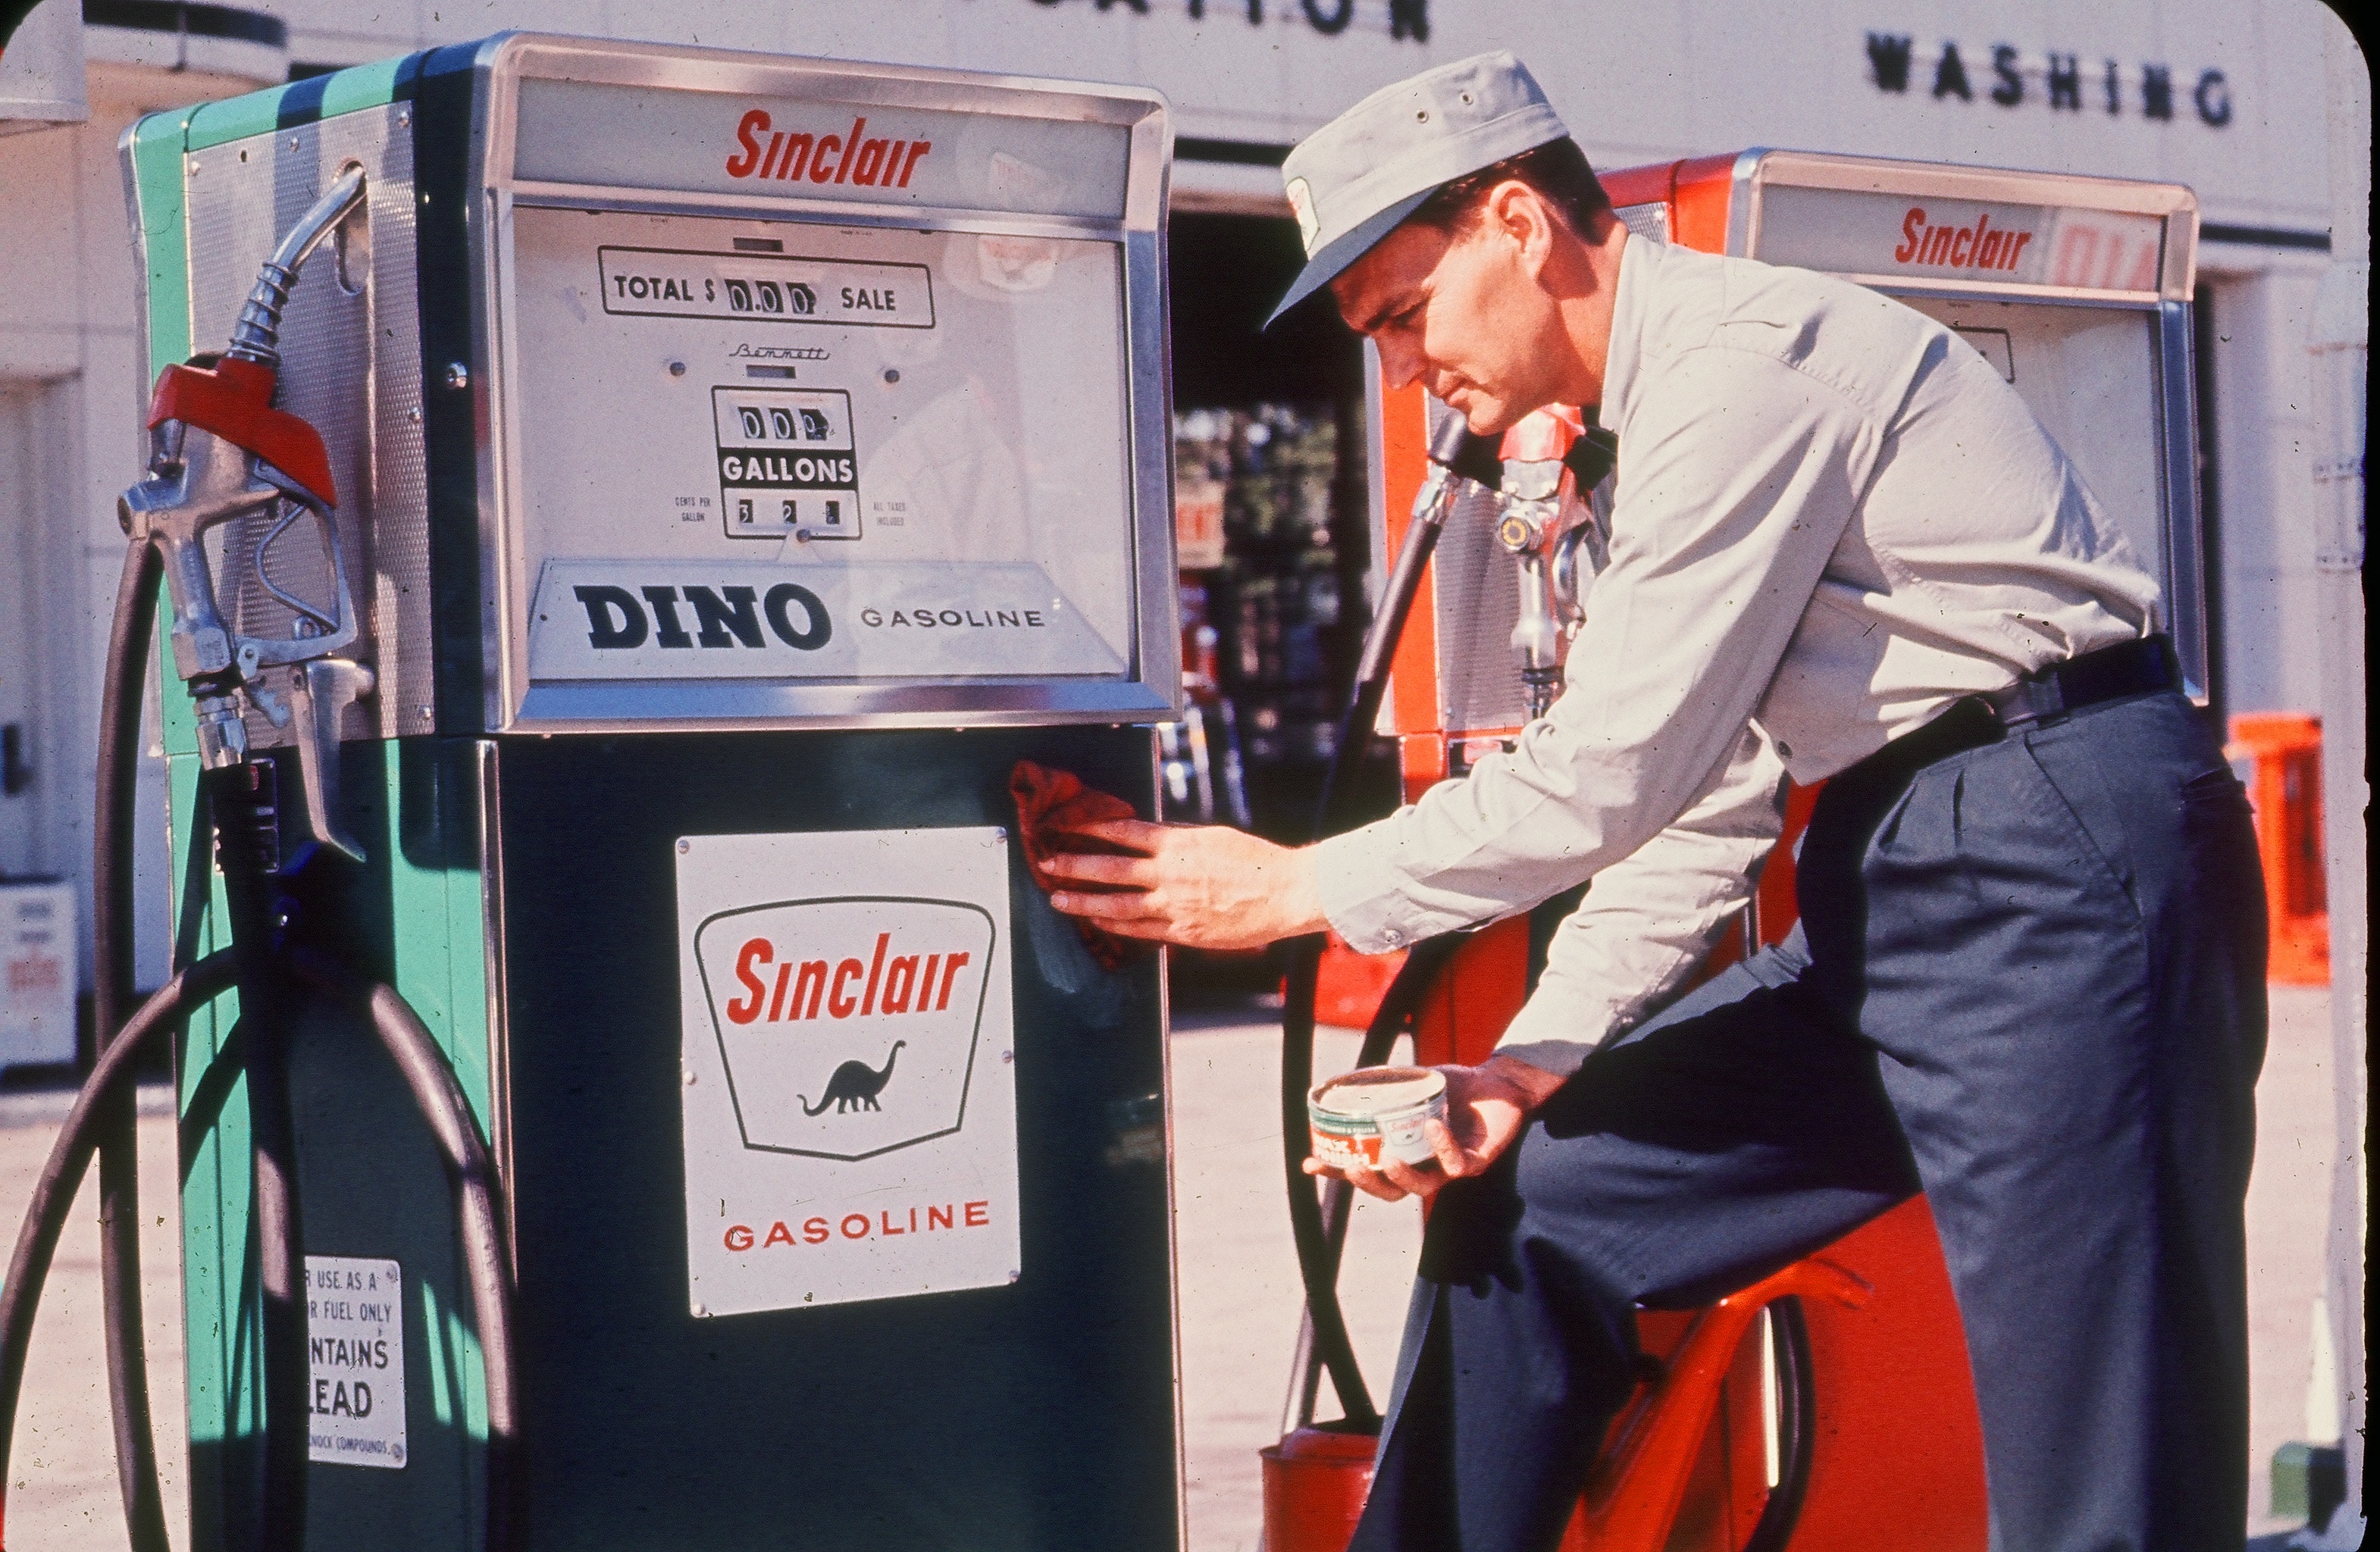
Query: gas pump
[[1830, 1405], [723, 470]]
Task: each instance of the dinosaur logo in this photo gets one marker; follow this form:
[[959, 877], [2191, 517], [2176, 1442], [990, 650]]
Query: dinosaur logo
[[854, 1083], [858, 989]]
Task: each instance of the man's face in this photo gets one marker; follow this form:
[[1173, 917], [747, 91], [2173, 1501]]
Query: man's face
[[1462, 312]]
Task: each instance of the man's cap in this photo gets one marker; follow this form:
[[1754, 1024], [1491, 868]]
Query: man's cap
[[1351, 181]]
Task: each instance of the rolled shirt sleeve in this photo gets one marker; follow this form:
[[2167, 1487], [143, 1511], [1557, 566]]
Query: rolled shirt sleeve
[[1739, 473]]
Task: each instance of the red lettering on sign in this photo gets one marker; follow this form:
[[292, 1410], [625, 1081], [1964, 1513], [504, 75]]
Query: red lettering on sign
[[756, 952], [747, 132], [777, 1234], [858, 1233], [938, 1218], [979, 1213], [887, 985], [1979, 247], [845, 158], [875, 973], [837, 1003], [898, 981], [797, 156], [739, 1238], [814, 1229]]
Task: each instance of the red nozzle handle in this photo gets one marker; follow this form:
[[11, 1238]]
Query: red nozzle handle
[[233, 400]]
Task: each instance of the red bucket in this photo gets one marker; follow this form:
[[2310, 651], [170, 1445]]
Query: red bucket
[[1315, 1481]]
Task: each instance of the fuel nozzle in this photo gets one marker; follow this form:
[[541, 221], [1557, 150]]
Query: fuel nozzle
[[221, 452], [1539, 452]]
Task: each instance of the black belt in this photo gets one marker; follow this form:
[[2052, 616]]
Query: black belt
[[2129, 667]]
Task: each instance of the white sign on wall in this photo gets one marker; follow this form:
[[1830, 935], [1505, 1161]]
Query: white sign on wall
[[848, 1076], [355, 1338]]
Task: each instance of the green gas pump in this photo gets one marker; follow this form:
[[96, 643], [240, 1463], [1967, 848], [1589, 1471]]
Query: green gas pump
[[732, 468]]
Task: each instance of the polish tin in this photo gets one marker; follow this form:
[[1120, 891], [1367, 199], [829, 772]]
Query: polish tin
[[1355, 1117]]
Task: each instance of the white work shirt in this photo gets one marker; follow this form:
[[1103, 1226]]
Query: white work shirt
[[1831, 519]]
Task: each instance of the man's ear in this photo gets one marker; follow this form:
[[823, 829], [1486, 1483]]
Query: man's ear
[[1520, 214]]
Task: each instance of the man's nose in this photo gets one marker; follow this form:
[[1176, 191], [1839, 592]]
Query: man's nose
[[1400, 363]]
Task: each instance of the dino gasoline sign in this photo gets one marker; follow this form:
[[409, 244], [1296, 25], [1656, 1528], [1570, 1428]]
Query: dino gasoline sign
[[848, 1073]]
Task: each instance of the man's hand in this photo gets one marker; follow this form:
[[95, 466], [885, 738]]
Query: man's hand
[[1200, 887], [1485, 1108]]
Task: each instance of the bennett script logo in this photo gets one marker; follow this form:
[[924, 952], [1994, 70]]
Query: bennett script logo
[[852, 158], [847, 1026]]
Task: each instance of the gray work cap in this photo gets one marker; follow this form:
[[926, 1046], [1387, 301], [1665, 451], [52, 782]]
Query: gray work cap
[[1351, 181]]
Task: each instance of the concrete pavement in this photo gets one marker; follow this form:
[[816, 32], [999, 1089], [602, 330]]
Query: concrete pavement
[[1239, 1296]]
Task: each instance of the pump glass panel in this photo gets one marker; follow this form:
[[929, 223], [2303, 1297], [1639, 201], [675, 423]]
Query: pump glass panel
[[757, 450], [2090, 374]]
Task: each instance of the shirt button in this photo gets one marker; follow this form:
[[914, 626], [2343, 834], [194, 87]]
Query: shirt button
[[1391, 937]]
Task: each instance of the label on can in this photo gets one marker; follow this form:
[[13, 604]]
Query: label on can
[[1355, 1117]]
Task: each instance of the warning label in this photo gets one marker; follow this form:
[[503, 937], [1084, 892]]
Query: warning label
[[788, 467], [355, 1331]]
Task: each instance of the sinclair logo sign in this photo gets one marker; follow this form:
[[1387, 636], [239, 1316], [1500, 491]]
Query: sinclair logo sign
[[846, 1025], [765, 152], [848, 1066]]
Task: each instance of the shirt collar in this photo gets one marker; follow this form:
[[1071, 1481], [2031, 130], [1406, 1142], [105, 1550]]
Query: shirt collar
[[1640, 259]]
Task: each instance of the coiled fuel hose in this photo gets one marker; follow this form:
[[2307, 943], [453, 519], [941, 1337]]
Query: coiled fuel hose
[[278, 975], [1456, 455]]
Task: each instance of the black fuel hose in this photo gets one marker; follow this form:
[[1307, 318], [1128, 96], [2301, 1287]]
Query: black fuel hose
[[243, 814], [1456, 453], [122, 680], [53, 1192], [1398, 1005], [479, 1211]]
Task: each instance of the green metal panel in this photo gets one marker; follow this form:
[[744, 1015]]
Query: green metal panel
[[416, 916]]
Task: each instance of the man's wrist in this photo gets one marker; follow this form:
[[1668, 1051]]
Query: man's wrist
[[1532, 1085], [1301, 897]]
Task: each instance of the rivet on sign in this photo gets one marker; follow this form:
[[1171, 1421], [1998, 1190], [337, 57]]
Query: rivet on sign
[[458, 376], [702, 1312], [403, 119], [892, 374], [1421, 116], [1014, 1274], [1008, 1056], [425, 713], [414, 415], [677, 368], [293, 142], [999, 836], [685, 845], [689, 1077]]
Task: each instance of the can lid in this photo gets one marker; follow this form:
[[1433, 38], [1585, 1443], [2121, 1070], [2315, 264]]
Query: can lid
[[1375, 1090]]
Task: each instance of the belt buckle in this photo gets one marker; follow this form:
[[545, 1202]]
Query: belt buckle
[[2032, 700]]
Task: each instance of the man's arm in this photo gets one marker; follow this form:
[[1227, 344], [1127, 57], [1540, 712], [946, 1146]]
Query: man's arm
[[1739, 477], [1650, 919]]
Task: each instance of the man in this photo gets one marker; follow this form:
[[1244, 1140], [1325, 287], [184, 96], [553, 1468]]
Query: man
[[2029, 977]]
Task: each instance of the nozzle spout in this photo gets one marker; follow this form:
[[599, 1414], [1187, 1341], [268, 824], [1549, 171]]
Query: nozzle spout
[[257, 335]]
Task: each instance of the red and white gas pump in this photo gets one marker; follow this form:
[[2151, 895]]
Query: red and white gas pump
[[1830, 1406]]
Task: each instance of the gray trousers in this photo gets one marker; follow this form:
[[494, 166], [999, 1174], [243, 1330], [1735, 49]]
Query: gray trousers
[[2029, 981]]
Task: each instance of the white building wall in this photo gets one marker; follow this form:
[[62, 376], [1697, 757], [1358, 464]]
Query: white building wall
[[1637, 84]]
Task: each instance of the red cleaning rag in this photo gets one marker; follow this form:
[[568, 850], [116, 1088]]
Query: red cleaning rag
[[1052, 806]]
